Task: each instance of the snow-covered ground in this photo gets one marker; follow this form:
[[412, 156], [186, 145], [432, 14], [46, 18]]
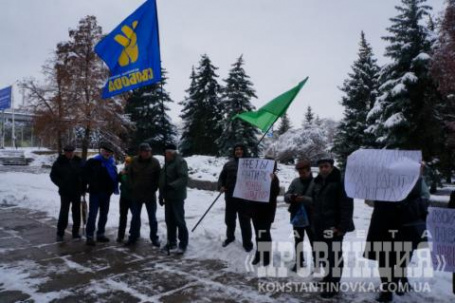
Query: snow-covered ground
[[36, 191]]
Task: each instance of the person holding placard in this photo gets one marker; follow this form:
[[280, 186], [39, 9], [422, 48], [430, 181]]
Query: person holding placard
[[263, 215], [299, 198], [234, 206], [397, 224], [332, 218]]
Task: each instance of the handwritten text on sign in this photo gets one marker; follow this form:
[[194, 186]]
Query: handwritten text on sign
[[441, 226], [382, 175], [253, 179]]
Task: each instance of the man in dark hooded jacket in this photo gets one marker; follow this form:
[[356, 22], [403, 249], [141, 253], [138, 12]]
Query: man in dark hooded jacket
[[332, 218], [234, 206], [66, 173]]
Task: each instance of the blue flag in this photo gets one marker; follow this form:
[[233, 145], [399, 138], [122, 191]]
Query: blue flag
[[5, 97], [132, 51]]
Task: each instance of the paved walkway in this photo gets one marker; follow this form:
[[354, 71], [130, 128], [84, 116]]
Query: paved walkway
[[34, 268]]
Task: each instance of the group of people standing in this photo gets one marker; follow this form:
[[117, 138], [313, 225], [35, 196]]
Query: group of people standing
[[323, 199], [318, 206], [140, 180]]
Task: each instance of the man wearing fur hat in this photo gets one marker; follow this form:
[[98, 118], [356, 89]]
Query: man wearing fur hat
[[234, 206]]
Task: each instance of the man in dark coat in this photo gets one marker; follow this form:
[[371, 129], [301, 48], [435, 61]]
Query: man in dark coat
[[395, 223], [66, 173], [332, 218], [100, 175], [298, 195], [263, 215], [173, 182], [234, 206], [143, 175]]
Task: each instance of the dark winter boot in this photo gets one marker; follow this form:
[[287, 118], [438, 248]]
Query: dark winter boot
[[403, 286], [257, 258], [227, 242], [384, 297]]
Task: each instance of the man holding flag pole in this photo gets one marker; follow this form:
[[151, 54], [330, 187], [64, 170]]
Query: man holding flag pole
[[132, 53], [264, 118]]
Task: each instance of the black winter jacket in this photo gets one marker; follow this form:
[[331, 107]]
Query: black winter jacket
[[67, 175], [228, 176], [97, 179], [266, 211], [390, 219], [143, 177], [332, 208]]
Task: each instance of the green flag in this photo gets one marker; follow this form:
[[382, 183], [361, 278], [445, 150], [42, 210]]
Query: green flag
[[264, 117]]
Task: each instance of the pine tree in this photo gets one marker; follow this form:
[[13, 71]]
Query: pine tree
[[360, 89], [285, 125], [443, 63], [202, 112], [236, 98], [144, 107], [309, 117], [404, 111], [443, 71]]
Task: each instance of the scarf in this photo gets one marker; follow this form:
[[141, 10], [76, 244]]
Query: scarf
[[109, 164]]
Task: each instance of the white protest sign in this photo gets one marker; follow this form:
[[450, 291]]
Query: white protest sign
[[382, 175], [253, 179], [441, 226]]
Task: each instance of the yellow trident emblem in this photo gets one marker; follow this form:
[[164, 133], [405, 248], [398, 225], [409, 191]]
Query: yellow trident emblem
[[130, 52]]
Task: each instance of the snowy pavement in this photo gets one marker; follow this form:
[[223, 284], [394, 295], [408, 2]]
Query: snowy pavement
[[36, 269]]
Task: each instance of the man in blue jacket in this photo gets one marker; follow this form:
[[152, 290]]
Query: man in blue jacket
[[100, 174]]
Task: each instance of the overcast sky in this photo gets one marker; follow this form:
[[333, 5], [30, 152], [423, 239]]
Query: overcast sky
[[282, 41]]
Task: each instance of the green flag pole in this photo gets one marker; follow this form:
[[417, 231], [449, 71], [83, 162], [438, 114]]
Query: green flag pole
[[259, 142]]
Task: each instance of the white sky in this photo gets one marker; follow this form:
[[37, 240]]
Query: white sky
[[282, 41]]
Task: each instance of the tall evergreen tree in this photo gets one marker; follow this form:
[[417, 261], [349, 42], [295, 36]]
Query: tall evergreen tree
[[309, 117], [443, 70], [285, 125], [144, 107], [236, 98], [404, 111], [360, 90], [201, 113]]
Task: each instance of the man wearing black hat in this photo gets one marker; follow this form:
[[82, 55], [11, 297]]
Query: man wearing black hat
[[173, 182], [332, 218], [100, 175], [234, 206], [143, 175], [66, 173]]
